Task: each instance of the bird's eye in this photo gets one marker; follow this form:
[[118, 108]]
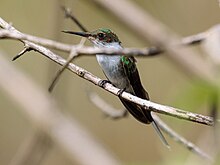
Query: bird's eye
[[101, 35]]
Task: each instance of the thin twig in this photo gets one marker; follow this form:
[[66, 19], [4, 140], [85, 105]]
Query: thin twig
[[178, 113], [26, 49], [68, 14], [72, 55], [109, 111]]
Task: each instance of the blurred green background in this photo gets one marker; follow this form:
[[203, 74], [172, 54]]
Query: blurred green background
[[130, 141]]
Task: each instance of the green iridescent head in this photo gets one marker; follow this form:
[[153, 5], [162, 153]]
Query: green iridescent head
[[104, 35]]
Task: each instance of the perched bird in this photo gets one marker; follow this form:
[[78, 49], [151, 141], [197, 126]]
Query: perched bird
[[122, 72]]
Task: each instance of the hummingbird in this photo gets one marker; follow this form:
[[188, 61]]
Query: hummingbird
[[122, 72]]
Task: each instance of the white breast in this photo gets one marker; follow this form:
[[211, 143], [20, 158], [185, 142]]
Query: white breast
[[113, 69]]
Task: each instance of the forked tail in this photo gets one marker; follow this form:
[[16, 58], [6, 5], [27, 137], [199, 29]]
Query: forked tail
[[162, 138]]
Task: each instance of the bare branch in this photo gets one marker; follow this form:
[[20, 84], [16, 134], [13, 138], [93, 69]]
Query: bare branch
[[198, 118], [108, 110]]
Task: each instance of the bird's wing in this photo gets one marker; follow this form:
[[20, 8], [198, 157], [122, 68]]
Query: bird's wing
[[133, 76]]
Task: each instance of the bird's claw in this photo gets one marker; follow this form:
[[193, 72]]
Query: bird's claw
[[103, 82], [119, 93]]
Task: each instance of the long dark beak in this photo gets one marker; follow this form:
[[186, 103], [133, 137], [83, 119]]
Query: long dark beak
[[83, 34]]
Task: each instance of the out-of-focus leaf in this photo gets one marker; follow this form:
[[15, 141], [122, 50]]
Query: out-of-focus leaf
[[194, 96]]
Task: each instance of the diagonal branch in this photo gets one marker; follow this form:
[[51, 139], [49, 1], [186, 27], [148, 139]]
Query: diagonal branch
[[72, 55]]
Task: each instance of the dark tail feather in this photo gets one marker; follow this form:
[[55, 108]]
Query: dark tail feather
[[145, 117], [162, 138]]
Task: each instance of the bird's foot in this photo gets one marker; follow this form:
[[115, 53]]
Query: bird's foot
[[103, 82], [119, 93]]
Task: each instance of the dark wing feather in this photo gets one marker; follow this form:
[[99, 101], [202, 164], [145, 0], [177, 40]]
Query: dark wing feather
[[132, 73]]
